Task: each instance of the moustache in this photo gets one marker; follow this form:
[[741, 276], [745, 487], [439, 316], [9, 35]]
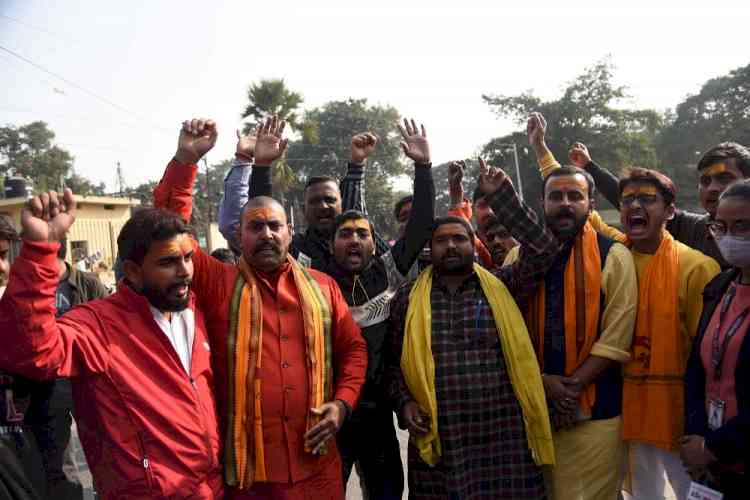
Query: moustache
[[267, 246], [565, 213]]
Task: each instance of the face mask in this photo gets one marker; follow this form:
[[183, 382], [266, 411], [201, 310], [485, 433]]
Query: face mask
[[736, 251]]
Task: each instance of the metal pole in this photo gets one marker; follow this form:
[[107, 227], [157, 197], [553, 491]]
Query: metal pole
[[518, 171]]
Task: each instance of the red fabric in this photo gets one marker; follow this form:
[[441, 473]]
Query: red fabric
[[327, 484], [147, 431], [465, 212], [284, 411], [724, 388]]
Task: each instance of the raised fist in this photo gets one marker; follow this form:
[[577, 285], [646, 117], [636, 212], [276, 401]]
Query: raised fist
[[197, 137], [536, 127], [456, 171], [579, 155], [362, 146], [47, 217]]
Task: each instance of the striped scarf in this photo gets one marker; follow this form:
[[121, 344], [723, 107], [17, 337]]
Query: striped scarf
[[244, 453]]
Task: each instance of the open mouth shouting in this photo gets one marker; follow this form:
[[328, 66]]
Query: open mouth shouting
[[636, 225]]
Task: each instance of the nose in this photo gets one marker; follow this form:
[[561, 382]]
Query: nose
[[265, 233], [182, 268], [715, 185]]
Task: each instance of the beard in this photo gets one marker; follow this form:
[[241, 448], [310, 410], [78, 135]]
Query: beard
[[568, 232], [163, 301], [462, 265]]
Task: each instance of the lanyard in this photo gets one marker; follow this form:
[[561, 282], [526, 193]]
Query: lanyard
[[719, 349]]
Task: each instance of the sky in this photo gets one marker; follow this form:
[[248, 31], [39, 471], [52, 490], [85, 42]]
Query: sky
[[126, 74]]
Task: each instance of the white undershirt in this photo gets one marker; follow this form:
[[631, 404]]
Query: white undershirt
[[180, 331]]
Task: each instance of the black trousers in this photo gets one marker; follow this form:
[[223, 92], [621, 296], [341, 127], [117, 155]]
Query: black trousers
[[19, 462], [368, 439]]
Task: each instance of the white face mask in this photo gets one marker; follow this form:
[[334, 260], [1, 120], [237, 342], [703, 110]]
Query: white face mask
[[736, 251]]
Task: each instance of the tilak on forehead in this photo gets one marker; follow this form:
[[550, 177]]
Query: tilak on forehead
[[642, 189], [355, 224], [569, 182], [180, 244], [715, 169], [261, 213]]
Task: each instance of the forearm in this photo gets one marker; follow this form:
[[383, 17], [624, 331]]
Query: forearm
[[350, 351], [175, 190], [261, 183], [591, 369], [606, 182], [235, 196], [545, 159], [352, 188], [421, 218]]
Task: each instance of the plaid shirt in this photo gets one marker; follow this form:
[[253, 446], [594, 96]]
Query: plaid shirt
[[485, 451]]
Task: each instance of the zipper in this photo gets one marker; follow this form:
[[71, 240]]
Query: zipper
[[201, 411], [146, 464]]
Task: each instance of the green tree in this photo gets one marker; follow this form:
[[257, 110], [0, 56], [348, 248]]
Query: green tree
[[81, 185], [720, 112], [325, 149], [588, 111], [272, 97]]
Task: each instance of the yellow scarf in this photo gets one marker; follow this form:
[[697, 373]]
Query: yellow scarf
[[653, 398], [582, 296], [418, 365], [244, 453]]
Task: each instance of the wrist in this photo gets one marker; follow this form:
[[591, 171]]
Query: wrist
[[185, 157], [359, 160], [243, 157]]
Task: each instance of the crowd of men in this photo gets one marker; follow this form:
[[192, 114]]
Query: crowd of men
[[528, 357]]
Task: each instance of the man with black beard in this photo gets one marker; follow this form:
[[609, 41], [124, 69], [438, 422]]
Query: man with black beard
[[143, 394], [368, 283], [462, 372], [581, 322]]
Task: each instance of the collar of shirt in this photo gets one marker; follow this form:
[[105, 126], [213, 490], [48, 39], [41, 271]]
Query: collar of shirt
[[180, 331]]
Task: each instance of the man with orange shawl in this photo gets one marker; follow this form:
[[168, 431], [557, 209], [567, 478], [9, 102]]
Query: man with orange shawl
[[581, 322], [289, 359], [671, 279]]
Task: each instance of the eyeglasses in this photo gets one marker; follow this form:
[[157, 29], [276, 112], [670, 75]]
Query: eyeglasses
[[740, 229], [642, 198]]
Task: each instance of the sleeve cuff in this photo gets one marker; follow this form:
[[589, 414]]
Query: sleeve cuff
[[355, 171], [609, 352], [42, 252], [547, 164], [180, 176], [347, 396]]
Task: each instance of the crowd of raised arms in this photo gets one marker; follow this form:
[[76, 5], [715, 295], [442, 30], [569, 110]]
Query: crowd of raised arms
[[528, 358]]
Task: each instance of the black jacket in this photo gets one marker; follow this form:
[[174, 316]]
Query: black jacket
[[731, 442]]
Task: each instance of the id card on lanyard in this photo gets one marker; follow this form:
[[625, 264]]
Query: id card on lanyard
[[717, 406]]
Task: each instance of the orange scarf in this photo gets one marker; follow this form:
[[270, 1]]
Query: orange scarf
[[653, 399], [244, 453], [582, 295]]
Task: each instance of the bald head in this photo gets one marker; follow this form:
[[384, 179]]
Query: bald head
[[263, 202], [265, 234]]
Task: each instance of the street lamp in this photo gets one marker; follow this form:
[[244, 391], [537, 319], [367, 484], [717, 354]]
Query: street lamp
[[511, 146]]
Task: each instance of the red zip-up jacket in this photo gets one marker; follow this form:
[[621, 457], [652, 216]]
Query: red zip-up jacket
[[148, 428]]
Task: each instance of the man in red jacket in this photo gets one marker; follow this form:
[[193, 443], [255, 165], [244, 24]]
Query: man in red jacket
[[138, 359], [289, 359]]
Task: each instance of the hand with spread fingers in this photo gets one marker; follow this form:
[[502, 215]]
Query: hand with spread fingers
[[456, 171], [245, 150], [413, 418], [415, 144], [197, 137], [490, 178], [362, 146], [536, 128], [48, 216], [579, 155], [269, 143], [333, 414]]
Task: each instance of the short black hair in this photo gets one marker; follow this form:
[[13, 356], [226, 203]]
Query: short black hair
[[452, 219], [145, 227], [400, 204], [350, 215], [727, 151], [738, 189], [572, 170], [62, 252], [224, 255], [319, 179], [7, 231]]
